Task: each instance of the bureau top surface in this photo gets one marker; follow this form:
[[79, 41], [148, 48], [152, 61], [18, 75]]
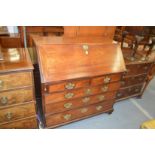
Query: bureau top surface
[[69, 40], [15, 59], [64, 62]]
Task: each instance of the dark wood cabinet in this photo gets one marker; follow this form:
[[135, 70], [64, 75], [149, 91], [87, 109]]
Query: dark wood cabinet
[[134, 80]]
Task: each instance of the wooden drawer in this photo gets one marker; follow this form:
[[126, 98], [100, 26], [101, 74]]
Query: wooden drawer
[[11, 42], [137, 69], [129, 81], [76, 103], [15, 80], [72, 115], [67, 85], [15, 97], [57, 97], [105, 79], [17, 112], [127, 92], [28, 123]]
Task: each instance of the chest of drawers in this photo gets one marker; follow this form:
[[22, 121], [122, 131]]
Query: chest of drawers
[[17, 102], [78, 80], [134, 80]]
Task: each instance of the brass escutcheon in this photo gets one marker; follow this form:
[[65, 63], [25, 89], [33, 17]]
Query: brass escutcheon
[[85, 48]]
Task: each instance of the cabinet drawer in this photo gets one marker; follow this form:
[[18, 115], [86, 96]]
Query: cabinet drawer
[[57, 97], [72, 104], [105, 79], [137, 69], [71, 115], [17, 112], [28, 123], [129, 81], [15, 97], [67, 85], [15, 80], [127, 92]]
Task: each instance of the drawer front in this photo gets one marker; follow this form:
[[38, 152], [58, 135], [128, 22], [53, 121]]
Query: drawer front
[[137, 69], [105, 79], [72, 115], [133, 80], [15, 80], [17, 112], [72, 104], [57, 97], [15, 97], [67, 85], [29, 123], [123, 93]]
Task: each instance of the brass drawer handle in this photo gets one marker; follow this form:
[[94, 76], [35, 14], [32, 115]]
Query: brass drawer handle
[[107, 79], [88, 92], [68, 105], [84, 110], [101, 97], [128, 70], [9, 116], [69, 86], [146, 67], [122, 83], [4, 100], [133, 78], [119, 94], [67, 116], [1, 83], [86, 99], [99, 107], [104, 89], [140, 79], [69, 95], [137, 90]]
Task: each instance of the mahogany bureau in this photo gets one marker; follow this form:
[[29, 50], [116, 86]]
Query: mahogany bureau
[[17, 102], [78, 80]]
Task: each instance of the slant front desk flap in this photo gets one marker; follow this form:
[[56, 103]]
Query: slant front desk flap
[[64, 62]]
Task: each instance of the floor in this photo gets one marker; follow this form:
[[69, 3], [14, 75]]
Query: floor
[[128, 114]]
